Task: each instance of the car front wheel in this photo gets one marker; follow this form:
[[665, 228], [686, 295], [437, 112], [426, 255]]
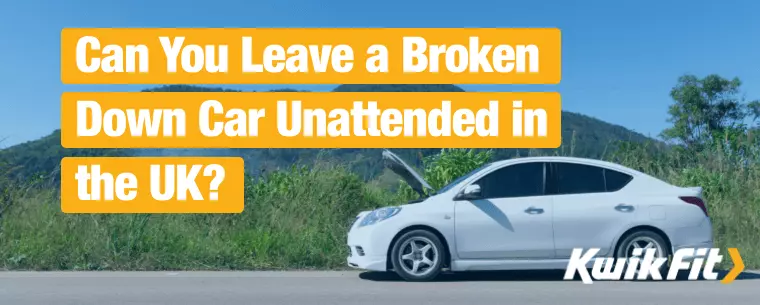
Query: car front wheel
[[418, 256]]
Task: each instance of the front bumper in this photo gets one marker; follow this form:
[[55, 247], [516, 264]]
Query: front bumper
[[374, 263], [368, 246]]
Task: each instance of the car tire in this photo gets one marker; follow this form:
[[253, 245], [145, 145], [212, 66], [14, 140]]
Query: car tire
[[418, 256], [641, 238]]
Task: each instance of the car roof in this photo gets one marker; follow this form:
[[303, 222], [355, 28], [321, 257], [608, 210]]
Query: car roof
[[592, 162]]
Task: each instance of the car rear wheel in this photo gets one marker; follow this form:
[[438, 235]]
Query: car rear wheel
[[644, 240], [418, 256]]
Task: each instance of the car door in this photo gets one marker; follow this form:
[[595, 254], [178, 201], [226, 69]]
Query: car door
[[512, 218], [589, 208]]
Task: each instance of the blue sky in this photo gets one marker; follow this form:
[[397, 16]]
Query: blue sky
[[620, 58]]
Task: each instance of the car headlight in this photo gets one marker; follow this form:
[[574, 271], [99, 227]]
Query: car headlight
[[379, 215]]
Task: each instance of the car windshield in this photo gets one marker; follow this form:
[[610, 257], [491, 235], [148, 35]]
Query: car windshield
[[460, 179]]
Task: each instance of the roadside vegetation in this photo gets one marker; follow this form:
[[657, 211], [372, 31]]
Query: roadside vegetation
[[297, 217]]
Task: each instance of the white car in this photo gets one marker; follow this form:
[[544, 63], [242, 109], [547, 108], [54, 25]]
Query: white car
[[527, 214]]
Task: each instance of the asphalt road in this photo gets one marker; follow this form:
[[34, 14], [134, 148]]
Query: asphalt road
[[354, 288]]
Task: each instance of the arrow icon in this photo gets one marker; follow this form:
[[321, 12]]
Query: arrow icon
[[738, 266]]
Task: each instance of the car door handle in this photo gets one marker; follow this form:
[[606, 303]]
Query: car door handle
[[532, 210], [624, 207]]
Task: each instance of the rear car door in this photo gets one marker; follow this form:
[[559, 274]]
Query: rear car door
[[590, 209]]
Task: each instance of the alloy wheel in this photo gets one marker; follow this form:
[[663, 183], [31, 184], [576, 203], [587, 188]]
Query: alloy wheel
[[418, 256]]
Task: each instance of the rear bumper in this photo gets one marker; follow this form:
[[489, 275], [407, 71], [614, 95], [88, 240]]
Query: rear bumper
[[699, 236], [705, 245], [696, 237]]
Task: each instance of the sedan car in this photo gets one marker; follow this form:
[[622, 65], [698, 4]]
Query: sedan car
[[526, 214]]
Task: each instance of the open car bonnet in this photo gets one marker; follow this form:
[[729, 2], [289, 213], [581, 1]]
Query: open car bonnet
[[411, 177]]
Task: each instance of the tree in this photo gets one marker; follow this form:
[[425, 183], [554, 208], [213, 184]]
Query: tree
[[708, 107]]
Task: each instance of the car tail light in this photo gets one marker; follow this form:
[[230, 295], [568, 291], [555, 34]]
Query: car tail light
[[696, 201]]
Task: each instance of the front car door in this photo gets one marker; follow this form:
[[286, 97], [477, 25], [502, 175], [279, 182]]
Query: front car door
[[512, 219], [589, 208]]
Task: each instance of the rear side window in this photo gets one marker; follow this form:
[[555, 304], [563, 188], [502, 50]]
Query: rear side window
[[616, 180], [572, 178]]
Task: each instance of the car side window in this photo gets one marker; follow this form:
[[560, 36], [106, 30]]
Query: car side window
[[573, 178], [519, 180], [616, 180]]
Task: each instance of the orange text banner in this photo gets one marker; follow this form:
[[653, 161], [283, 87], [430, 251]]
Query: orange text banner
[[311, 56], [152, 185], [311, 120]]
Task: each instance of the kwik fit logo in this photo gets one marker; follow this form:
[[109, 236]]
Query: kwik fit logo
[[696, 260]]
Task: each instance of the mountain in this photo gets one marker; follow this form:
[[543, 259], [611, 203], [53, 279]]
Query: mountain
[[41, 158], [583, 136]]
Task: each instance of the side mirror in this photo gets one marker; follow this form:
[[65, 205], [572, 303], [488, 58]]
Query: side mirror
[[470, 192]]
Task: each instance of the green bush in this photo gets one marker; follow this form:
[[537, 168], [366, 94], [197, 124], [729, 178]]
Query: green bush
[[442, 168], [292, 219]]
